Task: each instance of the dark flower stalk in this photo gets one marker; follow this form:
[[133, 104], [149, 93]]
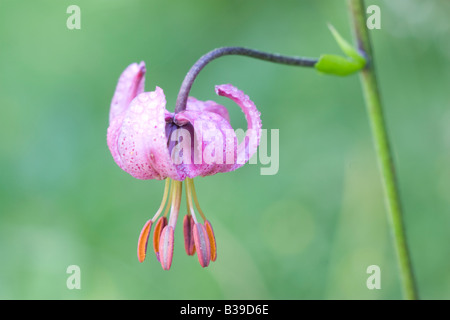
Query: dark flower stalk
[[189, 79]]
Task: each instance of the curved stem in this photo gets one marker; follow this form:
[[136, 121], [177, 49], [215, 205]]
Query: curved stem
[[224, 51], [383, 150]]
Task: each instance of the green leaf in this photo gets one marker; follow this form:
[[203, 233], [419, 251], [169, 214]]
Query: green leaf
[[333, 64], [338, 65], [346, 47]]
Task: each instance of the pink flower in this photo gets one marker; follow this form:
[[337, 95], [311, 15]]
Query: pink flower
[[149, 142]]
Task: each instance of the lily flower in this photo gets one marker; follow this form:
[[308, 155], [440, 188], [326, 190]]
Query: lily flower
[[149, 142]]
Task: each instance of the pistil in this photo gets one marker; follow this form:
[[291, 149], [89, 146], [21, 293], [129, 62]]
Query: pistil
[[166, 240]]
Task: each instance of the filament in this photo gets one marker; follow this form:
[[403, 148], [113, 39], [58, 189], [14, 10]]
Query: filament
[[194, 194], [163, 202], [176, 201], [190, 206]]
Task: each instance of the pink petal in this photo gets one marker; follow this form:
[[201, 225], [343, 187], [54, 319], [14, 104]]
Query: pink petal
[[203, 116], [131, 83], [140, 142], [211, 140], [112, 137], [210, 106], [248, 146]]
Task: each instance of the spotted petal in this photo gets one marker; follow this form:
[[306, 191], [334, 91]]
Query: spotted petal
[[249, 145], [207, 135], [141, 141], [131, 83], [214, 146], [208, 106]]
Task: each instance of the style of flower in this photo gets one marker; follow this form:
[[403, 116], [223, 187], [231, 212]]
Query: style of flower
[[149, 142]]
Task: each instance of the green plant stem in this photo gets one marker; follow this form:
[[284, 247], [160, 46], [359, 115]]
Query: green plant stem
[[383, 151]]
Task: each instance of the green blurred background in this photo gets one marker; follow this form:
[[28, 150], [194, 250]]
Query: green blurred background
[[308, 232]]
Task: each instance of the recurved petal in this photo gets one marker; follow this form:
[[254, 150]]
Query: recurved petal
[[209, 141], [249, 145], [166, 247], [131, 83], [202, 244], [143, 241], [112, 137], [141, 141]]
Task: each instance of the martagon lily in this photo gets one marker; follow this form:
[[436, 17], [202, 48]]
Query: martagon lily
[[149, 142]]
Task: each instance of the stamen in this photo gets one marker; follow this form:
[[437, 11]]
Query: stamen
[[189, 204], [188, 225], [166, 247], [143, 240], [204, 239], [212, 240], [162, 222], [170, 198], [194, 194], [163, 202], [202, 244], [145, 232], [176, 202]]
